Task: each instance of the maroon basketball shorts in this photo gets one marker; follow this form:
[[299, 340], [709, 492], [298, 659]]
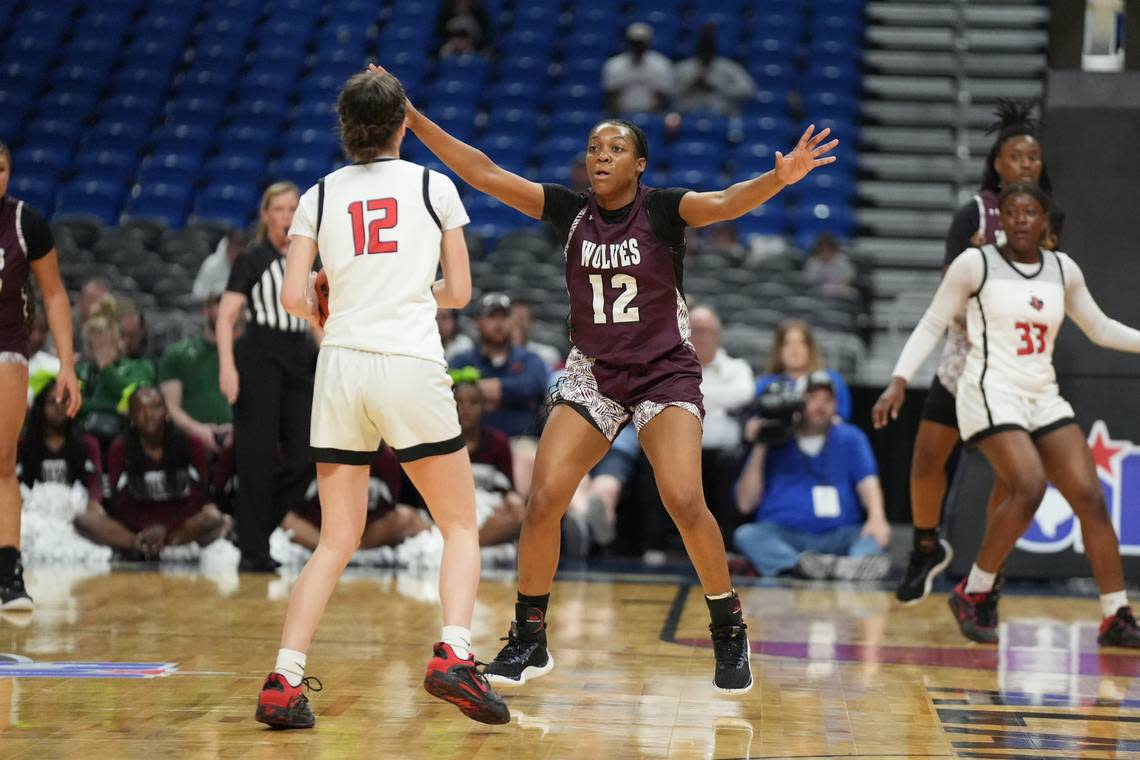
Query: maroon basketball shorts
[[609, 395]]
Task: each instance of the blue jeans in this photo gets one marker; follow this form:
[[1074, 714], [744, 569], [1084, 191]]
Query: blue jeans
[[772, 549]]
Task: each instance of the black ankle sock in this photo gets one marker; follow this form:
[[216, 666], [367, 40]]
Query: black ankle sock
[[530, 612], [9, 558], [926, 539], [725, 611]]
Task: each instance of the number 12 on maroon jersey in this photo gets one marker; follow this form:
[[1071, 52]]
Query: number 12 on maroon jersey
[[385, 222]]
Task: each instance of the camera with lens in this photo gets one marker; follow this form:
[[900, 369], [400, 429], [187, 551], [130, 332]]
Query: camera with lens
[[779, 409]]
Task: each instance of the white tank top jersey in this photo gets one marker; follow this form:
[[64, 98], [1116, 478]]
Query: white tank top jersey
[[1012, 322], [1013, 314], [378, 228]]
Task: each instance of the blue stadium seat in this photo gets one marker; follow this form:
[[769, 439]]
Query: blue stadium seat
[[309, 140], [559, 149], [37, 190], [109, 163], [169, 168], [694, 178], [303, 172], [16, 100], [73, 105], [772, 129], [687, 150], [203, 84], [754, 154], [11, 126], [48, 127], [553, 171], [46, 159], [766, 219], [831, 78], [187, 139], [166, 203], [93, 197], [232, 204], [267, 113], [457, 119], [195, 112], [833, 104], [247, 139]]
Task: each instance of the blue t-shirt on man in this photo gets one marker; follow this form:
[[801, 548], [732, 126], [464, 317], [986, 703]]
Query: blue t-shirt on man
[[790, 475], [523, 377]]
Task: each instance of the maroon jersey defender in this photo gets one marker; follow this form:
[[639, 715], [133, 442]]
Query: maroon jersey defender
[[628, 318], [639, 371], [24, 237]]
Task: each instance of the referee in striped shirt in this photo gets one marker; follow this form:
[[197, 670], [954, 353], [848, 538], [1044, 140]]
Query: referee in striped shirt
[[268, 378]]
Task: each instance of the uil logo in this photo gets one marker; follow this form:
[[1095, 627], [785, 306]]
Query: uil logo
[[1055, 528]]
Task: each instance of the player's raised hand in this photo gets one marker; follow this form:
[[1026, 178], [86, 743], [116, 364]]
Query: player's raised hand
[[808, 154], [376, 68]]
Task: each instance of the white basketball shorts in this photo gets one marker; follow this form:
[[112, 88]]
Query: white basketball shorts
[[361, 398], [982, 414]]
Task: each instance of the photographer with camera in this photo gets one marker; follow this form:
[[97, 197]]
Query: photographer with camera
[[809, 479]]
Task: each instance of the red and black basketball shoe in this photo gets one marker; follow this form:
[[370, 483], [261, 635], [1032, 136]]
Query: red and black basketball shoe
[[977, 614], [1120, 630], [460, 683], [283, 706]]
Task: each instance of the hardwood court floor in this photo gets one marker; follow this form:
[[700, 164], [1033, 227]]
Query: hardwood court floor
[[841, 672]]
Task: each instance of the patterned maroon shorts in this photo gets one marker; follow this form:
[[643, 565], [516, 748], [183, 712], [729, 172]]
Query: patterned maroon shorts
[[609, 395]]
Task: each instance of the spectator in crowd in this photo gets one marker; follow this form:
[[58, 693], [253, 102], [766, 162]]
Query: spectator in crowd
[[215, 270], [639, 79], [55, 449], [188, 377], [829, 269], [132, 329], [388, 521], [794, 356], [592, 514], [107, 374], [267, 376], [158, 485], [454, 340], [91, 294], [728, 386], [492, 467], [43, 364], [462, 27], [512, 379], [522, 322], [807, 494], [709, 82]]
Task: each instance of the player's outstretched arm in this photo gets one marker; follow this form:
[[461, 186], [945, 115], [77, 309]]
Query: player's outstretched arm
[[473, 165], [963, 278], [701, 209], [1082, 309]]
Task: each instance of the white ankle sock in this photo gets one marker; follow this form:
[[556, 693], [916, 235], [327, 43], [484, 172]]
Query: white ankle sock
[[291, 664], [1110, 603], [980, 582], [458, 638]]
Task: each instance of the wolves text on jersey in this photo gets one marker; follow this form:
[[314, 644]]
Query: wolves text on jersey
[[610, 255]]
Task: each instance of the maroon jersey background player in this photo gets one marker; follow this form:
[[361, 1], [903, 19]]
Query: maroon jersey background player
[[24, 237], [153, 496]]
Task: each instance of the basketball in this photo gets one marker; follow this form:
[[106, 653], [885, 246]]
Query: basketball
[[321, 285]]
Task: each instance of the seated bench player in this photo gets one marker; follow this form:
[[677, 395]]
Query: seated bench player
[[388, 522], [159, 493]]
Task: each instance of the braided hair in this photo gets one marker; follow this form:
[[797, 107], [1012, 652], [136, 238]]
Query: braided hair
[[1014, 119]]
